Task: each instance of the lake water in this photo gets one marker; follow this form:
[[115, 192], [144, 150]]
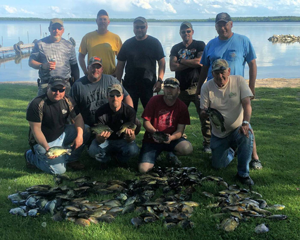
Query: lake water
[[273, 60]]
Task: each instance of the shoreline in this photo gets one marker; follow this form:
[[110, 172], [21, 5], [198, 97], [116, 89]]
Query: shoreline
[[265, 82]]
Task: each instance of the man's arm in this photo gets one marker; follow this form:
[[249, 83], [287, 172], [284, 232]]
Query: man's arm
[[79, 125], [177, 134], [252, 75], [128, 101], [120, 69], [202, 77], [161, 73], [75, 71], [148, 126], [81, 60], [36, 128], [246, 104]]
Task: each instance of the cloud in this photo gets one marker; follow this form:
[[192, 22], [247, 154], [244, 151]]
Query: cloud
[[55, 9], [10, 9], [142, 4]]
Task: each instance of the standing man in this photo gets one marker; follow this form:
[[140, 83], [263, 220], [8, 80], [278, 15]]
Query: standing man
[[230, 95], [167, 114], [90, 91], [114, 114], [54, 56], [48, 117], [140, 54], [236, 49], [100, 43], [185, 61]]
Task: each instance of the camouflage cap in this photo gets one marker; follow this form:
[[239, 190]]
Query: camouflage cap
[[171, 82], [94, 60], [55, 81], [223, 17], [141, 19], [56, 20], [219, 65], [186, 24], [115, 87]]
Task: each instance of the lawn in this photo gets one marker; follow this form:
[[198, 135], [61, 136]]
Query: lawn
[[275, 119]]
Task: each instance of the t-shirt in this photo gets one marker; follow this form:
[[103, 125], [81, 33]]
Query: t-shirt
[[227, 100], [188, 76], [165, 118], [90, 96], [236, 50], [106, 46], [141, 57], [62, 52], [54, 115], [104, 115]]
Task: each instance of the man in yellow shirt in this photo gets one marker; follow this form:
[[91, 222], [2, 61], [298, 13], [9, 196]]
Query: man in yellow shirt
[[101, 43]]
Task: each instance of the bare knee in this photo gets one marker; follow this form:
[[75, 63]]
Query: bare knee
[[184, 148], [145, 167]]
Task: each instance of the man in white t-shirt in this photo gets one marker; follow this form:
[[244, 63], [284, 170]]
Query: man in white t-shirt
[[230, 95]]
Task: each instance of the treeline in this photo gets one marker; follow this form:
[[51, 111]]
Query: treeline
[[235, 19]]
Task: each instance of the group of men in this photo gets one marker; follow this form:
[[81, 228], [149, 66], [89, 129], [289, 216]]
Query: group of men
[[100, 98]]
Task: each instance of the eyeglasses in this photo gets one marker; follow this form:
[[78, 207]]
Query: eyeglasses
[[141, 27], [58, 28], [114, 95], [187, 31], [53, 89]]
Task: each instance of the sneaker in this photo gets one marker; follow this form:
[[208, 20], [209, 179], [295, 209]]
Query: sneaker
[[245, 180], [76, 165], [206, 149], [255, 164], [173, 159], [28, 165]]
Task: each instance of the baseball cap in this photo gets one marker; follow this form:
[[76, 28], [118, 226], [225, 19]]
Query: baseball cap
[[142, 19], [223, 17], [171, 82], [219, 65], [94, 60], [101, 13], [187, 24], [55, 81], [56, 20], [115, 87]]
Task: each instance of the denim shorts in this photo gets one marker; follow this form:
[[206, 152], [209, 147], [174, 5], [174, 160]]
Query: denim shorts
[[150, 151]]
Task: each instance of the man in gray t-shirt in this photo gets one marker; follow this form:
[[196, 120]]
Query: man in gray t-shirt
[[54, 56], [90, 92]]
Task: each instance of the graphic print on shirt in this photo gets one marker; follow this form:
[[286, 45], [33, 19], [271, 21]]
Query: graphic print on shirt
[[187, 53], [165, 119]]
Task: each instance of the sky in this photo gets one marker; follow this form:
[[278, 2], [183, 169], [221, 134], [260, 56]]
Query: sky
[[157, 9]]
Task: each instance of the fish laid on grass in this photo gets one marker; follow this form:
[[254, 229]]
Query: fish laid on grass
[[58, 151], [100, 128], [217, 118], [128, 125], [160, 137]]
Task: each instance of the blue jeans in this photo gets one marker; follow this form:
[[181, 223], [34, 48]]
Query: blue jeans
[[222, 156], [120, 148], [150, 151], [57, 165]]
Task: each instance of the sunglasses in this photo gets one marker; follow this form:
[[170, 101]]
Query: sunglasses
[[141, 27], [114, 95], [54, 28], [187, 31], [53, 89]]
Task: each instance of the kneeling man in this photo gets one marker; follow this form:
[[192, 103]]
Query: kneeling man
[[114, 114], [230, 95], [48, 117], [168, 114]]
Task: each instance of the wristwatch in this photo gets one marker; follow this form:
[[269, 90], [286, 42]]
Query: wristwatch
[[159, 80], [246, 122]]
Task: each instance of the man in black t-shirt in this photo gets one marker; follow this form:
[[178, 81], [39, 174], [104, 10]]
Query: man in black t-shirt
[[185, 61], [140, 54], [114, 114], [47, 116]]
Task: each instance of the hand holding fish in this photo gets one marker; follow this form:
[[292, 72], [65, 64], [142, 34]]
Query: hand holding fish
[[129, 135], [103, 136], [169, 139]]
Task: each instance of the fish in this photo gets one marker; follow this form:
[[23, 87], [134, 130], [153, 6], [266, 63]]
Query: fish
[[277, 217], [137, 221], [262, 228], [100, 128], [276, 207], [160, 137], [58, 151], [229, 224], [18, 211], [217, 118], [128, 125], [83, 222]]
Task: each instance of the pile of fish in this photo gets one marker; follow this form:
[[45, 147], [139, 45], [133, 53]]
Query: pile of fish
[[160, 194]]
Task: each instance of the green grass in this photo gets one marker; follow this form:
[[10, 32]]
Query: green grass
[[275, 119]]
